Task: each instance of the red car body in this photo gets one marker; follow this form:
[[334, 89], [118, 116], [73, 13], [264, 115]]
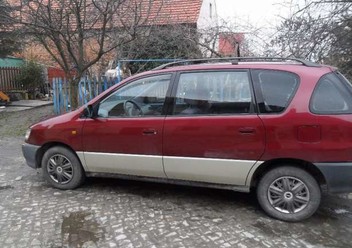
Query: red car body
[[320, 144]]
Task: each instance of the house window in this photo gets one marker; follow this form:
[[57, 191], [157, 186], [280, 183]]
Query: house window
[[211, 10]]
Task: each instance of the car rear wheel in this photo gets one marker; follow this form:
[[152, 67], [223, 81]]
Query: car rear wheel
[[288, 193], [62, 169]]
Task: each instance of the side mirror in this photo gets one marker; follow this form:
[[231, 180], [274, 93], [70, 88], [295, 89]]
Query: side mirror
[[89, 111]]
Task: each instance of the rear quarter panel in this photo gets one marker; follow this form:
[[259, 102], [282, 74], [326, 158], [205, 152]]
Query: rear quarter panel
[[326, 138]]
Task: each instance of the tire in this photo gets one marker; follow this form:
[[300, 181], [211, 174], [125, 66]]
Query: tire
[[62, 169], [289, 194]]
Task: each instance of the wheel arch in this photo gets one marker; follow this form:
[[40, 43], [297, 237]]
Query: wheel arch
[[47, 146], [271, 164]]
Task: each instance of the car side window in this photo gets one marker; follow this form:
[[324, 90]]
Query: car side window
[[143, 97], [331, 96], [277, 89], [213, 93]]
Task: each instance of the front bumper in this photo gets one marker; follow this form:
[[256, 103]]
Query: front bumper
[[338, 176], [29, 152]]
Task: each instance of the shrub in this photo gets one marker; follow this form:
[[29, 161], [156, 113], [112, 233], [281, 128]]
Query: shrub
[[31, 76]]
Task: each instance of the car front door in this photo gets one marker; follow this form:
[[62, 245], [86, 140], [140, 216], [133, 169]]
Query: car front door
[[126, 136], [213, 134]]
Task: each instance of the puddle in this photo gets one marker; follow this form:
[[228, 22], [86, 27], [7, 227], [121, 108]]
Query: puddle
[[266, 229], [338, 212], [6, 187], [80, 228]]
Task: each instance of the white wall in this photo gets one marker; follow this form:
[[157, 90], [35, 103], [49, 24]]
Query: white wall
[[207, 17], [207, 21]]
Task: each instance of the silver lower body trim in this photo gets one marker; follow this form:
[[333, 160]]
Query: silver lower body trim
[[204, 172], [128, 164], [222, 171]]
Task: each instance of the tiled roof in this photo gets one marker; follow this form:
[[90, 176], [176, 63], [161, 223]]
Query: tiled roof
[[134, 12], [158, 12], [174, 11]]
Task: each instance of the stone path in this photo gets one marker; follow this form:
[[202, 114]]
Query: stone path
[[117, 213]]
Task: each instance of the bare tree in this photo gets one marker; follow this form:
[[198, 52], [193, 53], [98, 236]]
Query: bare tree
[[8, 42], [180, 41], [249, 39], [172, 41], [77, 33], [312, 31]]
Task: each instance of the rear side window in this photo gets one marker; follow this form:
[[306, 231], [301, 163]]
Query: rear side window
[[275, 89], [331, 96]]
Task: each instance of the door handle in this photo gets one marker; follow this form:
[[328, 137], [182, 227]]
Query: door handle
[[149, 132], [246, 130]]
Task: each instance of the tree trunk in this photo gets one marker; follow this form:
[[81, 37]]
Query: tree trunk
[[74, 100]]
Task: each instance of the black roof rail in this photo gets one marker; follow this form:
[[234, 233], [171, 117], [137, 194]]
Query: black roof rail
[[236, 60]]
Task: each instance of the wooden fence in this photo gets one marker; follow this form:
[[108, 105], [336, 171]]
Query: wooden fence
[[8, 79]]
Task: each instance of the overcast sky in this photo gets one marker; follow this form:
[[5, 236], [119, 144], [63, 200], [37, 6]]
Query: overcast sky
[[256, 12], [259, 19]]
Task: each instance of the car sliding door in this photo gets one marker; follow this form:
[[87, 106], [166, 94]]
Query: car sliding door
[[213, 134]]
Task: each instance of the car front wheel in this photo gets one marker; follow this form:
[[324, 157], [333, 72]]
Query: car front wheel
[[62, 169], [288, 193]]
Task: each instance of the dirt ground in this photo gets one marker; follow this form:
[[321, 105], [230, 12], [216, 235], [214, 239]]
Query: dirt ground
[[14, 124]]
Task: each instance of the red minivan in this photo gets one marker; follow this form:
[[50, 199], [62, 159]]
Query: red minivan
[[280, 127]]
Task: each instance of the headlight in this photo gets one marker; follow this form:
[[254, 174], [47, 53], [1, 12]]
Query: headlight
[[28, 133]]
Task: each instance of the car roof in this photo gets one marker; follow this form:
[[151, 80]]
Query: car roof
[[298, 66], [290, 67]]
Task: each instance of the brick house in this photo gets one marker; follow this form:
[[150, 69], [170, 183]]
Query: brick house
[[199, 14], [229, 44]]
